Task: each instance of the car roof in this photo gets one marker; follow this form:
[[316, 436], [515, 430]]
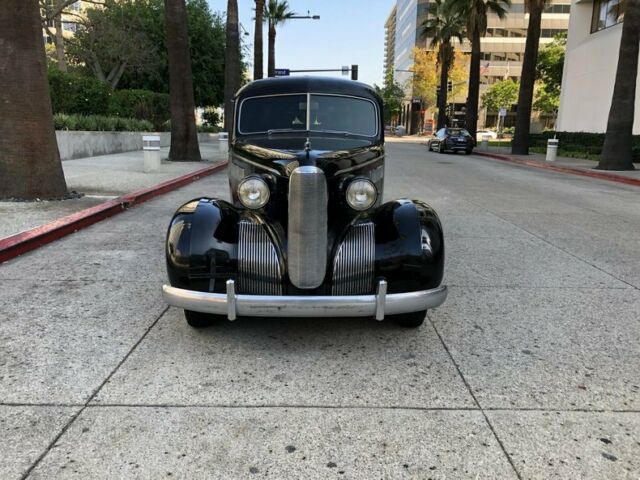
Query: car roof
[[307, 84]]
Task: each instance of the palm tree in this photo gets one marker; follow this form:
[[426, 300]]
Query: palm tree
[[257, 41], [184, 135], [30, 164], [232, 65], [617, 149], [276, 12], [520, 144], [441, 26], [475, 12]]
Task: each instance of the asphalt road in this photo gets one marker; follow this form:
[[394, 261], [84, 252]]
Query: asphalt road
[[531, 369]]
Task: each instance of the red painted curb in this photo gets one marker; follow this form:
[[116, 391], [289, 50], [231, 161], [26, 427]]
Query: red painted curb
[[11, 247], [556, 168]]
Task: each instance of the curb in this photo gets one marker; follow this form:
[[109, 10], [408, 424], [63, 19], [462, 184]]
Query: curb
[[23, 242], [611, 177]]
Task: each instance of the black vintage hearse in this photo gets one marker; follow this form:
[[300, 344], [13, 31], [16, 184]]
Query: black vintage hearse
[[307, 233]]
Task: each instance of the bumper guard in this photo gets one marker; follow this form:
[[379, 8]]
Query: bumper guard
[[233, 305]]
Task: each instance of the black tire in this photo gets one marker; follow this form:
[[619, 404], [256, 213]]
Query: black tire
[[468, 151], [202, 320], [409, 320], [440, 149], [429, 147]]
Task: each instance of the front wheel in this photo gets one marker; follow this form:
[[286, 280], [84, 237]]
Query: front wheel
[[409, 320], [468, 151], [202, 320], [429, 147]]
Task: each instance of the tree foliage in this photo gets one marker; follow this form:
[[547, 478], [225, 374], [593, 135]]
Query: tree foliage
[[392, 94], [111, 41], [142, 58], [551, 62], [501, 94], [426, 79]]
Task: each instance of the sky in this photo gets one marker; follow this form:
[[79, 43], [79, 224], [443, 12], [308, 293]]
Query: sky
[[348, 32]]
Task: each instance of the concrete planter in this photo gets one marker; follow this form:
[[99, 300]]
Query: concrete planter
[[81, 144], [88, 144]]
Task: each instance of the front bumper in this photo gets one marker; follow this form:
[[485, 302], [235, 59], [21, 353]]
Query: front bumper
[[233, 305]]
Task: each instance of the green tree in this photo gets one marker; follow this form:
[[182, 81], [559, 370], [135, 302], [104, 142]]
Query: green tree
[[30, 164], [501, 94], [146, 19], [475, 12], [184, 135], [99, 45], [551, 62], [520, 144], [441, 26], [617, 152], [392, 95], [276, 13]]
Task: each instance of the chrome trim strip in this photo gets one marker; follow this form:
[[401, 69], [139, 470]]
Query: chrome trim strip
[[381, 299], [255, 164], [304, 306], [259, 270]]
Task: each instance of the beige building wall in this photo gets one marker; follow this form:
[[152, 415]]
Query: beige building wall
[[589, 74]]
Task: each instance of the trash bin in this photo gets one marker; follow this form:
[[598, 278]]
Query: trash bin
[[485, 141], [151, 147], [552, 149], [223, 142]]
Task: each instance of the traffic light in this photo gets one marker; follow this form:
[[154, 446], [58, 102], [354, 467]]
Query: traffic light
[[354, 72], [449, 86]]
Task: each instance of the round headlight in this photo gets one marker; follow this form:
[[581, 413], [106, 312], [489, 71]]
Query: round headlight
[[253, 192], [361, 194]]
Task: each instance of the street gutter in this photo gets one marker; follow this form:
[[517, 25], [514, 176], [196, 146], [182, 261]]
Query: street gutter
[[611, 177], [23, 242]]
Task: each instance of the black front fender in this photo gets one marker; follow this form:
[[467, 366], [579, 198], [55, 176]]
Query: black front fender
[[202, 245], [409, 245]]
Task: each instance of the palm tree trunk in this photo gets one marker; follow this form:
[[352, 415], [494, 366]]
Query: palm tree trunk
[[257, 41], [617, 153], [272, 50], [232, 70], [445, 60], [520, 144], [30, 164], [59, 41], [471, 121], [184, 135]]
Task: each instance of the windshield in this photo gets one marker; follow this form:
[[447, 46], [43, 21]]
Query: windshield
[[327, 113]]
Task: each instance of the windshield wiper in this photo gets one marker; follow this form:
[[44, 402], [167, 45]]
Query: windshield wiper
[[336, 132], [281, 130]]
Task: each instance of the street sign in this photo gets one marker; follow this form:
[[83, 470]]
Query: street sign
[[502, 112], [282, 72]]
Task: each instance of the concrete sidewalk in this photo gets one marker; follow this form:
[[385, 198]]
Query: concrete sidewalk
[[580, 164], [100, 179]]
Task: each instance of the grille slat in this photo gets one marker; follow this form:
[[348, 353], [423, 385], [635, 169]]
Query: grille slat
[[259, 270], [354, 262]]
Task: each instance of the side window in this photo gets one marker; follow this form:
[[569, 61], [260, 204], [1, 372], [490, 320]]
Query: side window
[[442, 132]]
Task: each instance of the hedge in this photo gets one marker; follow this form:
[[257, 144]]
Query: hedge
[[141, 104], [579, 142], [102, 123], [71, 93], [77, 94]]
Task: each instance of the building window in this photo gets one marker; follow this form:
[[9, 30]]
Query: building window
[[606, 13]]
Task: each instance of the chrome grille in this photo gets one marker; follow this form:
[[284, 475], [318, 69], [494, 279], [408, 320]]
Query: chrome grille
[[307, 229], [354, 261], [259, 271]]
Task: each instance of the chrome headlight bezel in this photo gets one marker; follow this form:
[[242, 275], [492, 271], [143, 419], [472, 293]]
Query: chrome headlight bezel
[[257, 184], [361, 186]]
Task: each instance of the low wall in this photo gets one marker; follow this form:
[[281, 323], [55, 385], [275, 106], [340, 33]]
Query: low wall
[[89, 144]]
